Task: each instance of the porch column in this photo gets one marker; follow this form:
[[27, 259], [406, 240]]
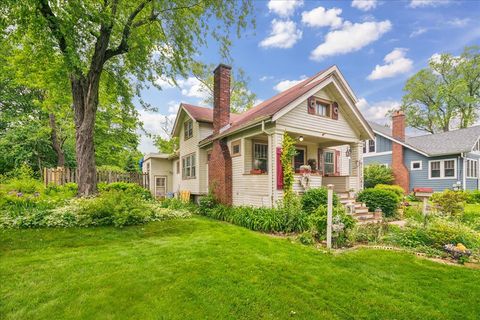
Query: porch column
[[356, 165]]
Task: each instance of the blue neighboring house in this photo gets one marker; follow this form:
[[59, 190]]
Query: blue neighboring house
[[447, 160]]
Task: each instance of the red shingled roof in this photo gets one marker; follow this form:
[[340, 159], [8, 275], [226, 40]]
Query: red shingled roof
[[203, 114], [261, 111]]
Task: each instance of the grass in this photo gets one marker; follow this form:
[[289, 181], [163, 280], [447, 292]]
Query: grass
[[199, 268]]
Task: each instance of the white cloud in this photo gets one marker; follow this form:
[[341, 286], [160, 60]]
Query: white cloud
[[436, 57], [192, 87], [377, 112], [284, 35], [153, 123], [284, 8], [173, 106], [395, 64], [427, 3], [321, 17], [265, 78], [457, 22], [364, 5], [418, 32], [351, 37], [164, 83], [285, 84]]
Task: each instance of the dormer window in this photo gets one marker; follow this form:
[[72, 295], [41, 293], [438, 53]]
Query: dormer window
[[369, 146], [322, 108], [188, 129]]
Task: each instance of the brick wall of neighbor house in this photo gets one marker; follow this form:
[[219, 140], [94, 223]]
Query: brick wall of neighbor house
[[402, 177], [220, 164]]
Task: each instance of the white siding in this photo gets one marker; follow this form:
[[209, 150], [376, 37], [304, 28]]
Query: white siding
[[299, 118], [159, 167]]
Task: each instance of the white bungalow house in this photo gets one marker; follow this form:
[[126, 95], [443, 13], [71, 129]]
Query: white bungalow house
[[236, 156]]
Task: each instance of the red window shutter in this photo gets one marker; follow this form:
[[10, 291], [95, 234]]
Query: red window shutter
[[279, 169], [311, 105], [335, 111], [337, 162], [320, 161]]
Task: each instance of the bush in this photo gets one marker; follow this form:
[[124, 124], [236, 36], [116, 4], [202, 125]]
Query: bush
[[114, 207], [131, 188], [313, 198], [24, 185], [374, 174], [368, 233], [206, 203], [394, 188], [318, 221], [306, 238], [473, 197], [176, 204], [450, 202], [414, 213], [439, 232], [282, 219], [378, 198]]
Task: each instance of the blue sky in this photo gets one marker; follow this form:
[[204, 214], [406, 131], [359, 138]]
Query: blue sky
[[376, 44]]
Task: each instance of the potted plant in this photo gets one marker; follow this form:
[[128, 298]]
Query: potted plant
[[305, 169], [313, 164], [256, 171]]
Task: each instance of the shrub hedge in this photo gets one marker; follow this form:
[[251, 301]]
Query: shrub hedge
[[376, 173], [315, 197], [394, 188], [379, 198]]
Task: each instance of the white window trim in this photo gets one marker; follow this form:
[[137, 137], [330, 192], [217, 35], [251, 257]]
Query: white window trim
[[367, 146], [366, 155], [466, 168], [416, 161], [442, 169]]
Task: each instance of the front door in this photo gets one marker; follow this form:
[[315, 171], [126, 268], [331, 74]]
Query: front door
[[160, 186]]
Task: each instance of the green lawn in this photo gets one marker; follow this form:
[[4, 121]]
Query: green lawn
[[198, 268]]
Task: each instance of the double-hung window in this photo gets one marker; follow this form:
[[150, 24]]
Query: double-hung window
[[472, 168], [188, 129], [442, 169], [188, 166], [369, 146], [260, 156], [322, 109], [328, 162]]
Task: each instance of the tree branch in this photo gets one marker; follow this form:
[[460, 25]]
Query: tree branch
[[53, 24]]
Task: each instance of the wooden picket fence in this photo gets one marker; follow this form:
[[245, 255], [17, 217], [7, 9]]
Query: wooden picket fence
[[60, 176]]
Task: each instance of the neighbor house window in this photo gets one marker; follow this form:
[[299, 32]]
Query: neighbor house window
[[322, 108], [472, 168], [188, 128], [235, 148], [260, 156], [329, 162], [369, 146], [299, 158], [188, 166], [416, 165], [442, 169]]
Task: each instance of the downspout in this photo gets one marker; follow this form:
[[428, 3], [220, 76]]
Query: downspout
[[464, 169]]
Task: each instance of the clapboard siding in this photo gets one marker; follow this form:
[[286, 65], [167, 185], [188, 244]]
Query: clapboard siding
[[382, 159], [382, 144], [315, 182], [300, 118], [419, 178], [187, 147], [248, 189], [176, 177]]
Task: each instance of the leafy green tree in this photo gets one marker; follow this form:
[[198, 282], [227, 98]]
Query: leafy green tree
[[446, 95], [89, 42], [166, 145], [131, 164], [241, 98], [375, 173]]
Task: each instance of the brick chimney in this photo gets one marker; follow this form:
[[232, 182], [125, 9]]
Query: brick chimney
[[220, 164], [398, 125], [221, 97], [400, 171]]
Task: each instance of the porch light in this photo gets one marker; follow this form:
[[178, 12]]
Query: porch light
[[348, 152], [300, 138]]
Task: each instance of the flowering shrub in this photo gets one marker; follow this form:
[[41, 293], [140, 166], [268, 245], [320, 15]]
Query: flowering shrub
[[450, 202]]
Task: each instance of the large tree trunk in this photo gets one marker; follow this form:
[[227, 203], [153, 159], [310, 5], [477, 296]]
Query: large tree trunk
[[57, 146], [85, 109]]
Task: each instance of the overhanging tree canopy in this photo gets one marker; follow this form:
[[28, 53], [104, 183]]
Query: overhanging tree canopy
[[127, 40]]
